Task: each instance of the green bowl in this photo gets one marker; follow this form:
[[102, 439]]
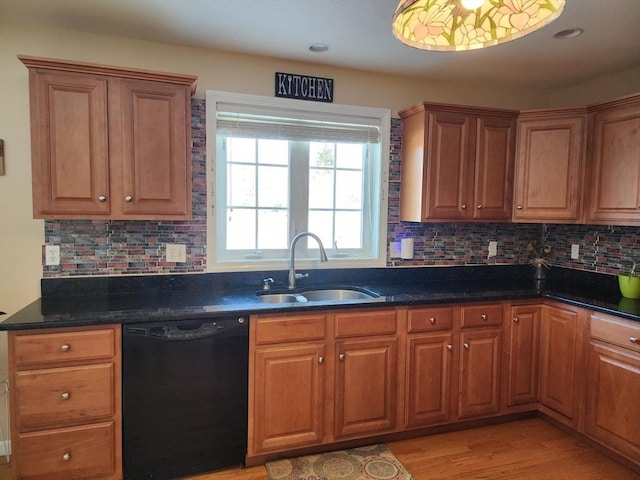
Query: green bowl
[[629, 286]]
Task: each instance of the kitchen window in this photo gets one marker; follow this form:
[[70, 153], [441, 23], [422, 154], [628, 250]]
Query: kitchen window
[[277, 167]]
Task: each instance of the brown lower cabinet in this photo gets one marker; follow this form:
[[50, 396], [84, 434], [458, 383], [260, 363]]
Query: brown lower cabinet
[[66, 403]]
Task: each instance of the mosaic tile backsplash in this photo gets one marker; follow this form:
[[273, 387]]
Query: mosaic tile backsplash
[[137, 247]]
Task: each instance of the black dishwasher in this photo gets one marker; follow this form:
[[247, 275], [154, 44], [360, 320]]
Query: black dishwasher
[[184, 397]]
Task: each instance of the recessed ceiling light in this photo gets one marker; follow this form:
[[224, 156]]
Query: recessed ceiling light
[[569, 33], [318, 47]]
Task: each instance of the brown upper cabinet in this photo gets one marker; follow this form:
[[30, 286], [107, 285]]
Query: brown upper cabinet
[[550, 160], [457, 163], [615, 162], [109, 142]]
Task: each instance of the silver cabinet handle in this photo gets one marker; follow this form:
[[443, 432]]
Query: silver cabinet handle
[[128, 198], [432, 320], [633, 340], [341, 357], [65, 396], [466, 346], [464, 206], [102, 198], [321, 360], [484, 316], [479, 207], [64, 348], [66, 456], [519, 207], [449, 347], [516, 319]]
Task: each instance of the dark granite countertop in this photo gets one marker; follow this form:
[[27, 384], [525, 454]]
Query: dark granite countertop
[[105, 300]]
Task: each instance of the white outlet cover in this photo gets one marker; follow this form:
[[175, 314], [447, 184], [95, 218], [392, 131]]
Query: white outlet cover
[[52, 255], [493, 249], [575, 251]]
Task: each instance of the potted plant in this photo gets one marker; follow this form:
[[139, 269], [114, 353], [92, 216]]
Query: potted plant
[[629, 283]]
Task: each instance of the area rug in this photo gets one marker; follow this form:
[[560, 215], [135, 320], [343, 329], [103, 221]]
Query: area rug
[[375, 462]]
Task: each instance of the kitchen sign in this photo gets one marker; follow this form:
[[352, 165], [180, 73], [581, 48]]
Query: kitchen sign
[[302, 87]]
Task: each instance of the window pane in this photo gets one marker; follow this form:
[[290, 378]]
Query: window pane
[[320, 188], [348, 189], [241, 150], [241, 185], [349, 155], [321, 223], [273, 187], [348, 229], [241, 229], [321, 154], [273, 229], [275, 152]]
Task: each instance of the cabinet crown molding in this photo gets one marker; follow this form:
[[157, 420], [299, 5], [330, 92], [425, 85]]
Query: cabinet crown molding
[[108, 70], [460, 109]]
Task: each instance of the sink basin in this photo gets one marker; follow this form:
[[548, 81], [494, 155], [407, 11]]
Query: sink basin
[[319, 295]]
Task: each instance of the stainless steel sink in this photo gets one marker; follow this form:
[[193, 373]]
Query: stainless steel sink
[[341, 294]]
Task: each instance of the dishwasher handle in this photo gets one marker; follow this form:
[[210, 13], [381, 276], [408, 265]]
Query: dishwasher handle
[[188, 330]]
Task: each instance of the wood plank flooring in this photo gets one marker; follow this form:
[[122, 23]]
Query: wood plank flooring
[[529, 449]]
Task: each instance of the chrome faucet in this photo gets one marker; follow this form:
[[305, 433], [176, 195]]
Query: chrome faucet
[[292, 257]]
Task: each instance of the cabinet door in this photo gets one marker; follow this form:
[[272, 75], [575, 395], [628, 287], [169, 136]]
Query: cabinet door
[[69, 142], [449, 172], [429, 379], [154, 148], [549, 163], [522, 337], [612, 414], [560, 360], [288, 394], [615, 183], [479, 373], [493, 177], [365, 386]]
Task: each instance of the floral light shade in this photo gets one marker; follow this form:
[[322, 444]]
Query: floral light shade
[[451, 25]]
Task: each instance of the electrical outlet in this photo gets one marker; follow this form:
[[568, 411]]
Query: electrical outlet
[[176, 252], [52, 255], [575, 251], [493, 249]]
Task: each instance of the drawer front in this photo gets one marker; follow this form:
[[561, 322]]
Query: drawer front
[[294, 328], [482, 315], [374, 322], [80, 452], [430, 319], [64, 346], [50, 396], [618, 331]]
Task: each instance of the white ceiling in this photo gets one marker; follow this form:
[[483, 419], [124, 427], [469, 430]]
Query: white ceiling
[[358, 33]]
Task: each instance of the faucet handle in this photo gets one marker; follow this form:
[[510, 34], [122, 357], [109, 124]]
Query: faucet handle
[[266, 283]]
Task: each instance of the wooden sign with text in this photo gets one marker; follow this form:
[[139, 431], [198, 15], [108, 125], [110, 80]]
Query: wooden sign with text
[[302, 87]]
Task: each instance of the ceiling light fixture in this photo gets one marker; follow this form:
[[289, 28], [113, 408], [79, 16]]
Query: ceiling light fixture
[[451, 25]]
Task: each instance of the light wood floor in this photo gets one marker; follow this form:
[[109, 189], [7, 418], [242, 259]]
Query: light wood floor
[[524, 450]]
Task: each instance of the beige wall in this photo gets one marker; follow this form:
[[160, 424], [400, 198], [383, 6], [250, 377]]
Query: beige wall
[[21, 237]]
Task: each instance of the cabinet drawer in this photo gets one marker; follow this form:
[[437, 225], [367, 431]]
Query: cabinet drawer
[[374, 322], [50, 396], [64, 346], [293, 328], [621, 332], [430, 319], [79, 452], [482, 315]]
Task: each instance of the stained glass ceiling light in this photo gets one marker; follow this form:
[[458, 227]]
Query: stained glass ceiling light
[[451, 25]]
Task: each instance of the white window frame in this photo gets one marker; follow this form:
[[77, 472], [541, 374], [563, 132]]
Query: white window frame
[[214, 264]]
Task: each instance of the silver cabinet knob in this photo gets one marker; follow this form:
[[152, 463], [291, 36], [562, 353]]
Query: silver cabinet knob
[[321, 360], [449, 347], [102, 198], [66, 456], [128, 198], [432, 320], [484, 316], [519, 207], [516, 319], [341, 357], [466, 346], [65, 396], [633, 340], [64, 348], [479, 207], [464, 206]]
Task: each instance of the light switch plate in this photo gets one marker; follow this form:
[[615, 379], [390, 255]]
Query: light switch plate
[[176, 252], [575, 251]]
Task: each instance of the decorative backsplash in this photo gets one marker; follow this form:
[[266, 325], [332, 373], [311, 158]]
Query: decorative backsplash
[[137, 247]]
